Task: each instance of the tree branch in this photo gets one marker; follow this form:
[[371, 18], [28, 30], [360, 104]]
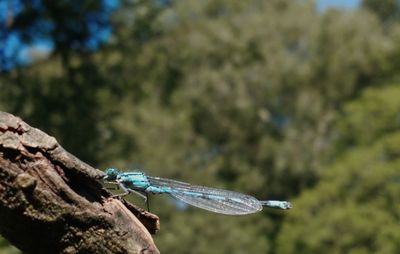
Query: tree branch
[[51, 202]]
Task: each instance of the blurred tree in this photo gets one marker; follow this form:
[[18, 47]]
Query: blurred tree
[[247, 109], [387, 10], [234, 94], [5, 248], [58, 95], [236, 235], [355, 206], [61, 27], [262, 97]]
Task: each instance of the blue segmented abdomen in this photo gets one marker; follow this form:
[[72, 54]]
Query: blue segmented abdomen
[[215, 200]]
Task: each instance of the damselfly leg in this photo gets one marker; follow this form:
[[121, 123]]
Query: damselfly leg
[[143, 195]]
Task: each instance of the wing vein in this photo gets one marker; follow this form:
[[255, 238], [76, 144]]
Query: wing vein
[[212, 199]]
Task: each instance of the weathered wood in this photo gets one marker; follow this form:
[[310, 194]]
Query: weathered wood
[[51, 202]]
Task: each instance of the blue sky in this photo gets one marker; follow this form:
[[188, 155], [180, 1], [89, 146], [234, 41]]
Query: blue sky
[[323, 4], [16, 50]]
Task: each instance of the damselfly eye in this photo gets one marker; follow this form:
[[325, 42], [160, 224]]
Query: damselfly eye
[[111, 174]]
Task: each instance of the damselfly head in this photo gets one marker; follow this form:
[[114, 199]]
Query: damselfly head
[[111, 174]]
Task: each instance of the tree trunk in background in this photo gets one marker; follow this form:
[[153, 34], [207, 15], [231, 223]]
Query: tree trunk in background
[[51, 202]]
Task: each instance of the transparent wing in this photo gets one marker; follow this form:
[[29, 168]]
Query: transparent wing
[[211, 199]]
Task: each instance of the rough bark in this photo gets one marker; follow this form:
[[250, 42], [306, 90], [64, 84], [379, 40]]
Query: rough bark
[[51, 202]]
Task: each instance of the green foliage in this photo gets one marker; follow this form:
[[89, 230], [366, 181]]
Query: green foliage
[[214, 234], [386, 10], [355, 206], [5, 248], [246, 95], [372, 117], [64, 107], [260, 97]]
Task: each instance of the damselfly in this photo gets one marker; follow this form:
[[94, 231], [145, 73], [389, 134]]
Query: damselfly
[[211, 199]]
